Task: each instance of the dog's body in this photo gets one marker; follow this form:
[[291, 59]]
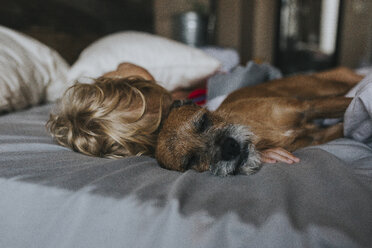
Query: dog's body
[[278, 113]]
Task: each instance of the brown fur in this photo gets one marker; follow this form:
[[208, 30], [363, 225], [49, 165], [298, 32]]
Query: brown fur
[[278, 113]]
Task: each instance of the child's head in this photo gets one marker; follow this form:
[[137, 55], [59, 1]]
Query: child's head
[[113, 117]]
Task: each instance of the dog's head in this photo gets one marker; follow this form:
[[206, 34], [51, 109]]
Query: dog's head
[[195, 138]]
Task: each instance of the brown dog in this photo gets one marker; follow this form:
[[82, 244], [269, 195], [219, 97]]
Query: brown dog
[[234, 138]]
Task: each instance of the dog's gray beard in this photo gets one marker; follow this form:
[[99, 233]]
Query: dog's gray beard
[[246, 165]]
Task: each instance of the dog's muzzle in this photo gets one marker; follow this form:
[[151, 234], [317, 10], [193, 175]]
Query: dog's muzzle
[[232, 156], [233, 152]]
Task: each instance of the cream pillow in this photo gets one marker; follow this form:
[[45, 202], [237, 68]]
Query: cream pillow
[[172, 64], [30, 72]]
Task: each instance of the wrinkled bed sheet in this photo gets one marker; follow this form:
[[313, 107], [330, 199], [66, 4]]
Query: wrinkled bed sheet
[[53, 197]]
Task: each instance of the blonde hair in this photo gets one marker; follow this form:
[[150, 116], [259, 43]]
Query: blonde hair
[[113, 117]]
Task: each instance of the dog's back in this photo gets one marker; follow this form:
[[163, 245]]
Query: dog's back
[[299, 87], [280, 112]]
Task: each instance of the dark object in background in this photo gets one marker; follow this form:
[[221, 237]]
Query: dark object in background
[[196, 27], [191, 28], [307, 35]]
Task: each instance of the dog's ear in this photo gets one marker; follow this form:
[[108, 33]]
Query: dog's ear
[[179, 103]]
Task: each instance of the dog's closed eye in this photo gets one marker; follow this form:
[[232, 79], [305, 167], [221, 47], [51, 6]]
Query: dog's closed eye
[[190, 161], [180, 103], [203, 123]]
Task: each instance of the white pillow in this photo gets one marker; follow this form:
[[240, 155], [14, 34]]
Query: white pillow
[[172, 64], [30, 72]]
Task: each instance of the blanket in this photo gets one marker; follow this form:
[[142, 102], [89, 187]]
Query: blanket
[[220, 85]]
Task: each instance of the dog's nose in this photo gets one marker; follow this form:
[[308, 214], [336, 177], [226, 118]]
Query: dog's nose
[[230, 149]]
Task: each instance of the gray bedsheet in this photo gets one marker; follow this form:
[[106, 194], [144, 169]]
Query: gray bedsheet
[[53, 197]]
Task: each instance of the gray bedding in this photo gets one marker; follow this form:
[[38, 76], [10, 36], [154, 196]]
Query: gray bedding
[[358, 116], [53, 197]]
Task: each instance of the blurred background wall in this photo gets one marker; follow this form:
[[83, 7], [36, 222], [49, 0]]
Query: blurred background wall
[[295, 35]]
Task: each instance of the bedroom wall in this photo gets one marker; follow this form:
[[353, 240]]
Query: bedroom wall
[[69, 26], [164, 10], [247, 25], [356, 35]]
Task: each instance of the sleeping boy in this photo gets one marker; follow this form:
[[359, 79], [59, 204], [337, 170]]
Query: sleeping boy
[[119, 115]]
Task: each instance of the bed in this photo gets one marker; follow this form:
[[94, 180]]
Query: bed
[[51, 196]]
